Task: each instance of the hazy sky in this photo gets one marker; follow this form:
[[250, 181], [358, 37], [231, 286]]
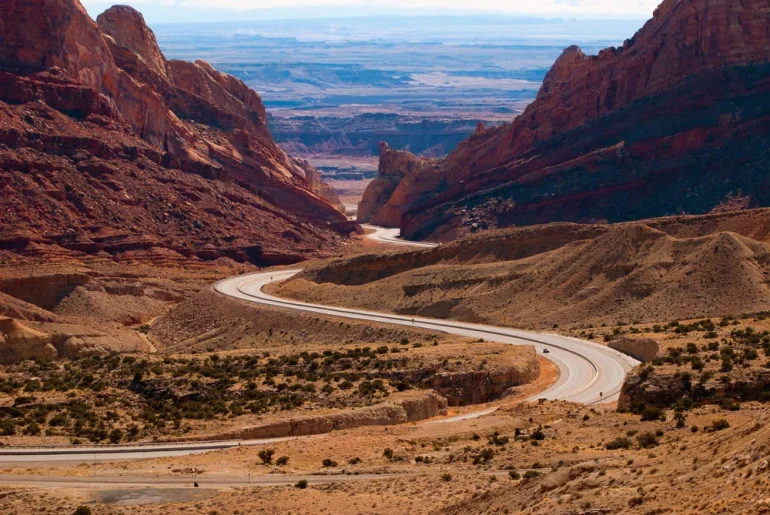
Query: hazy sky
[[218, 10]]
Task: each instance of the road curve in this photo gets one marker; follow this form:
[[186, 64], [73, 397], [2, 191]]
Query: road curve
[[391, 236], [589, 373]]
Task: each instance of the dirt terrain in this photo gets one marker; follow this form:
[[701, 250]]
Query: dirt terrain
[[360, 396], [562, 275], [584, 459]]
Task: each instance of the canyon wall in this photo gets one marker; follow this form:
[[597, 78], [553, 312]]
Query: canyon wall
[[107, 146], [410, 407], [674, 121]]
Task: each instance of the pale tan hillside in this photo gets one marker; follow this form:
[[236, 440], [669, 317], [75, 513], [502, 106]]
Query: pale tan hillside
[[630, 272], [720, 472]]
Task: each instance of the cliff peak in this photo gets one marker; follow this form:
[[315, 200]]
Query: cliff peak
[[126, 26]]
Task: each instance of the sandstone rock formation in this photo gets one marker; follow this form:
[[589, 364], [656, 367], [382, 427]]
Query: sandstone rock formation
[[402, 181], [18, 342], [479, 386], [663, 390], [676, 120], [107, 146], [643, 349], [410, 407]]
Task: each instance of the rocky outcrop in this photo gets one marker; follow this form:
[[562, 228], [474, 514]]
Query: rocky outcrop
[[663, 390], [408, 408], [403, 179], [643, 349], [18, 342], [44, 291], [107, 146], [319, 186], [479, 386], [675, 120], [127, 28]]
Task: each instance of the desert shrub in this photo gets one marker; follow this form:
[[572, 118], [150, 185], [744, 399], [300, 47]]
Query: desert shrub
[[719, 425], [7, 427], [484, 456], [498, 440], [538, 434], [531, 474], [447, 477], [354, 461], [32, 429], [82, 510], [651, 414], [116, 436], [302, 483], [647, 440], [515, 476], [618, 443], [266, 455], [730, 405], [283, 460], [329, 463]]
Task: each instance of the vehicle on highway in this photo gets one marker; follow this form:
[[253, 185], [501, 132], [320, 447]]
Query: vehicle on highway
[[546, 351]]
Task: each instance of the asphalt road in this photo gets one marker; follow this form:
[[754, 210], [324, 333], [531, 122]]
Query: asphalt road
[[147, 481], [589, 373], [391, 236], [84, 453]]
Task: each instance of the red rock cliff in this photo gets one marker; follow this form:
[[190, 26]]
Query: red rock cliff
[[101, 135], [675, 120]]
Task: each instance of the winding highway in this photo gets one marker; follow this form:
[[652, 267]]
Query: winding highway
[[589, 373], [391, 236]]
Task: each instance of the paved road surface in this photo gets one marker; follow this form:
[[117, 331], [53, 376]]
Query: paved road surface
[[391, 236], [84, 453], [147, 481], [589, 373]]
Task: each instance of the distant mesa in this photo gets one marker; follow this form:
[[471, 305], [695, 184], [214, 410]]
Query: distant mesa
[[107, 146], [674, 121]]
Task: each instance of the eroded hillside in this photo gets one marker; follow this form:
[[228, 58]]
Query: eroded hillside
[[106, 147], [564, 274]]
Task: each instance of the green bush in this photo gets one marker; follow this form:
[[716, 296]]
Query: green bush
[[647, 440], [719, 425], [651, 414], [618, 443], [302, 483], [266, 455]]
